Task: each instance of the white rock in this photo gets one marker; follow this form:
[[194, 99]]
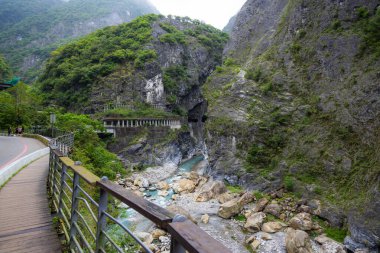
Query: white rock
[[205, 218]]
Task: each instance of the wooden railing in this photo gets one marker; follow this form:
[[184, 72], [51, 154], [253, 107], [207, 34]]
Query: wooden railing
[[85, 221]]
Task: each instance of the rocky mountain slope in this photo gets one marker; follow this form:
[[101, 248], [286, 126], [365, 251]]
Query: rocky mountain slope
[[296, 105], [30, 30]]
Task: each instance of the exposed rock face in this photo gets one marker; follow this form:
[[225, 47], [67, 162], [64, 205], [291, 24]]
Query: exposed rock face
[[305, 95], [297, 241]]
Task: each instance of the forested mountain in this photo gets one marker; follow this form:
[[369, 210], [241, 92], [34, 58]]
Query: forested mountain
[[30, 30], [157, 60]]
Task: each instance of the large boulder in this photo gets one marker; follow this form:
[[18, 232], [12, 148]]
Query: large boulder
[[230, 208], [141, 182], [254, 222], [234, 206], [184, 185], [272, 227], [297, 241], [261, 204], [274, 209], [162, 185], [210, 190], [301, 221]]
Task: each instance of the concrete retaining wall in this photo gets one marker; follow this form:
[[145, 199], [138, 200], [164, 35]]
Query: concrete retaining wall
[[11, 169]]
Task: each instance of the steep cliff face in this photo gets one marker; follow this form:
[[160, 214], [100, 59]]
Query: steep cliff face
[[296, 105], [32, 29]]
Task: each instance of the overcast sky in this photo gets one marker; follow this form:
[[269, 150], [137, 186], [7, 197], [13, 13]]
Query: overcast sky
[[213, 12]]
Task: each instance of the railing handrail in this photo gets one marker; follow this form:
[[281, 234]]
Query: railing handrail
[[184, 233]]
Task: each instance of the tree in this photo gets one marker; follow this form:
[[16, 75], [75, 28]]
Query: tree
[[19, 106], [5, 71]]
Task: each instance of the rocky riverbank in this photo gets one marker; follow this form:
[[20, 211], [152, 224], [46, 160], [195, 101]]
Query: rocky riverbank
[[242, 221]]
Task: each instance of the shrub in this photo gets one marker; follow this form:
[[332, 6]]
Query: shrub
[[229, 62], [336, 24], [337, 234], [219, 69], [362, 12], [254, 74], [258, 195], [289, 183], [234, 188], [266, 87], [239, 217], [295, 48]]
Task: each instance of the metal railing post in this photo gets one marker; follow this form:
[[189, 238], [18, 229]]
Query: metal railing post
[[55, 170], [74, 207], [175, 246], [102, 222], [51, 166], [63, 178]]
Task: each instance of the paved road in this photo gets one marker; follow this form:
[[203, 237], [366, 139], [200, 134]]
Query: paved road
[[13, 148]]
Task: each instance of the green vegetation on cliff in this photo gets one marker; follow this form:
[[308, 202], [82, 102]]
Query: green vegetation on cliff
[[140, 110]]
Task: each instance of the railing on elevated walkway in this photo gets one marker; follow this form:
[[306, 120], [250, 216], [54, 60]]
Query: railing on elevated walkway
[[86, 220]]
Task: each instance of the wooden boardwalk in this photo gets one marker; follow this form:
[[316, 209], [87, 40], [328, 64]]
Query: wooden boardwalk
[[25, 219]]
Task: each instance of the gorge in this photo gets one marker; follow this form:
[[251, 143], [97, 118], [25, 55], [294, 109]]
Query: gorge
[[284, 109]]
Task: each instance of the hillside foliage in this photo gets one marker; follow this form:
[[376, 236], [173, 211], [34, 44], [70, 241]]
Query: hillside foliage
[[33, 29], [73, 68]]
